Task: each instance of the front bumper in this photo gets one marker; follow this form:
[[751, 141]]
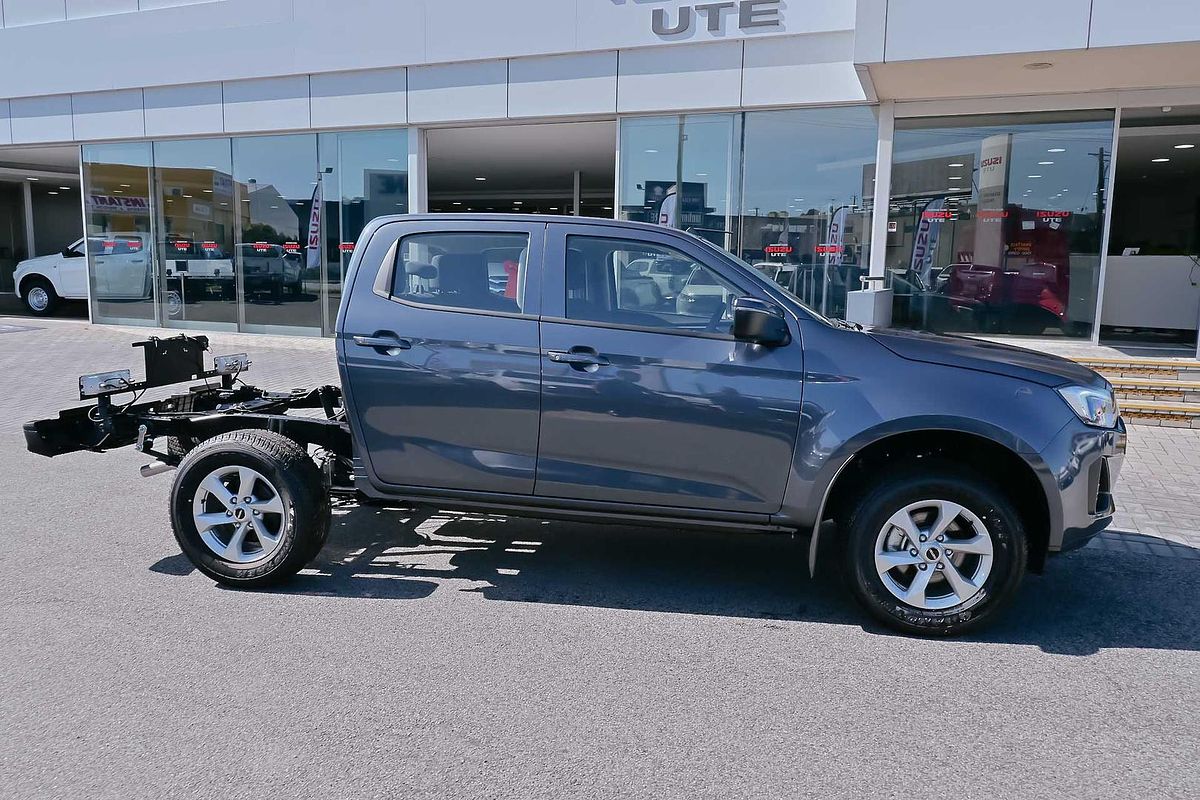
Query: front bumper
[[1085, 463]]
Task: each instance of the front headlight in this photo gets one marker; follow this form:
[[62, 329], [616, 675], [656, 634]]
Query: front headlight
[[1094, 406]]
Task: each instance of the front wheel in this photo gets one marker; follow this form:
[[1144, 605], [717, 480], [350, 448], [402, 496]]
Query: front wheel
[[935, 552], [249, 508], [40, 298]]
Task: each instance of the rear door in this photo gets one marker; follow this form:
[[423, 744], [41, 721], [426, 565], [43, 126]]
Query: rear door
[[441, 362], [646, 398]]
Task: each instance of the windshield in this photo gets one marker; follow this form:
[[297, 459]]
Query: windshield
[[725, 254]]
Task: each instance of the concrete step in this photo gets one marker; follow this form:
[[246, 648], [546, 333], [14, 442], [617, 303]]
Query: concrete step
[[1160, 389], [1158, 412], [1158, 368]]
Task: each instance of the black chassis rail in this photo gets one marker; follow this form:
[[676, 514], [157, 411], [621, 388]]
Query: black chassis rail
[[200, 413]]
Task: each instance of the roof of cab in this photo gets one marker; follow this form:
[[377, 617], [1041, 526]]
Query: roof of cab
[[525, 218]]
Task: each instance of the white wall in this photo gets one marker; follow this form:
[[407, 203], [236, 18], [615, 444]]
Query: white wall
[[776, 71], [114, 44], [919, 29]]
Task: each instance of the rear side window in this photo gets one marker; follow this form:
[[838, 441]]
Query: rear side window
[[637, 284], [471, 271]]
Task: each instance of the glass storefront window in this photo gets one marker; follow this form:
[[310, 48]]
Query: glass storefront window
[[696, 152], [274, 179], [996, 223], [196, 220], [806, 218], [119, 220], [366, 176]]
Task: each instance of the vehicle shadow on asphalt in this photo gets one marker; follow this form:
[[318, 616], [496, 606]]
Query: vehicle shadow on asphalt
[[1085, 602]]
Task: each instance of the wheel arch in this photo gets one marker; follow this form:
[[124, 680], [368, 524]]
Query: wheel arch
[[1011, 463], [29, 278]]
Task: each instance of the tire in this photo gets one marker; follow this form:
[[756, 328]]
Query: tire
[[255, 548], [892, 594], [180, 446], [39, 297]]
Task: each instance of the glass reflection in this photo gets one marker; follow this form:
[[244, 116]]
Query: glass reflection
[[806, 214], [275, 178], [196, 222], [117, 202], [995, 222]]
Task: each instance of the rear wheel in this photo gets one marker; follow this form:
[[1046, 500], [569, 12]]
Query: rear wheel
[[936, 551], [249, 508], [39, 297]]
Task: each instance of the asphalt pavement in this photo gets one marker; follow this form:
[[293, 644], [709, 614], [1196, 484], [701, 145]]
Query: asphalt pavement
[[451, 656]]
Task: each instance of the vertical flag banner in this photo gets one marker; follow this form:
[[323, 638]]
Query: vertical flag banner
[[314, 227], [837, 237], [925, 242]]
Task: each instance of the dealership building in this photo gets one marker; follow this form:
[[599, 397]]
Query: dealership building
[[1027, 168]]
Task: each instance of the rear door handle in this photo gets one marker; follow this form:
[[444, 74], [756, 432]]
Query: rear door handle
[[386, 342], [578, 357]]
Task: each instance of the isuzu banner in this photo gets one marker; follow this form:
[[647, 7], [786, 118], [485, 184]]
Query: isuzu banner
[[926, 239], [994, 156], [314, 228], [835, 244]]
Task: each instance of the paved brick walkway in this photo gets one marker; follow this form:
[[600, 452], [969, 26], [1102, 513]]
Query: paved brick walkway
[[42, 359]]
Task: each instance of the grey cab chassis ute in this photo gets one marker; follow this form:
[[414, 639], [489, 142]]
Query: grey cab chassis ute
[[625, 373]]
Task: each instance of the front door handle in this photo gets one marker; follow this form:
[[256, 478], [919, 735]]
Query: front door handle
[[578, 357], [388, 342]]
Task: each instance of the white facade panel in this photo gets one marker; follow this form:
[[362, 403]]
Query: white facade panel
[[108, 115], [41, 119], [33, 12], [345, 99], [191, 110], [918, 29], [77, 9], [797, 70], [149, 4], [608, 24], [266, 104], [5, 125], [465, 31], [334, 35], [547, 86], [1119, 22], [458, 92], [681, 77]]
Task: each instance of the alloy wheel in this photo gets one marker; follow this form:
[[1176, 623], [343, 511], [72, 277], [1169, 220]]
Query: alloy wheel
[[239, 514], [934, 555], [39, 298]]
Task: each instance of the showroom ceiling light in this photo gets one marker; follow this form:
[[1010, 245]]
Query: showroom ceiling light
[[1057, 150], [1045, 163], [1033, 176], [481, 179], [651, 151], [956, 164], [956, 177], [31, 178], [51, 192], [456, 203], [65, 188], [518, 202], [1159, 160], [1184, 146]]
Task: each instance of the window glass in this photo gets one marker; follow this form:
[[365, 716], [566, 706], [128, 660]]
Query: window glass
[[118, 203], [806, 221], [626, 282], [995, 222], [476, 271], [276, 178], [696, 153], [196, 222]]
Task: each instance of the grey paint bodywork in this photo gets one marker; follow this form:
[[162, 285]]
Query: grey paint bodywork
[[695, 429]]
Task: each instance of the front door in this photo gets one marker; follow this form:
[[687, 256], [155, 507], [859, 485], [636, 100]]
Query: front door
[[440, 355], [646, 397]]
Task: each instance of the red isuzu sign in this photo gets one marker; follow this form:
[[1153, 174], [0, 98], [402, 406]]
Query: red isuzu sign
[[777, 249]]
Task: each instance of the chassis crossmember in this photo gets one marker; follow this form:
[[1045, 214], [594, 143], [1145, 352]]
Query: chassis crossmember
[[200, 413]]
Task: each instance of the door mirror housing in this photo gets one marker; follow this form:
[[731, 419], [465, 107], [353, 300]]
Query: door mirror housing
[[68, 252], [759, 322]]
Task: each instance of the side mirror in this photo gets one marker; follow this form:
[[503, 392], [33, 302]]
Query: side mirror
[[759, 322], [67, 252]]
